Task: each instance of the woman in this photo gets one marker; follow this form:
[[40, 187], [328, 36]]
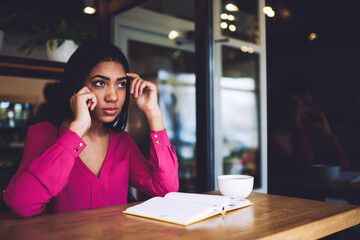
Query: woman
[[302, 139], [84, 159]]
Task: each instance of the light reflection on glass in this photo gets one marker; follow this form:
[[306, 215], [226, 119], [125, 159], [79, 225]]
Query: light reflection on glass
[[173, 34], [231, 7], [244, 21], [269, 11]]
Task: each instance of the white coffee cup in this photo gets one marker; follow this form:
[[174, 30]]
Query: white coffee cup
[[323, 173], [235, 185]]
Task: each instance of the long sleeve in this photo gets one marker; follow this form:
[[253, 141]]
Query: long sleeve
[[159, 174], [326, 150], [44, 170], [341, 153]]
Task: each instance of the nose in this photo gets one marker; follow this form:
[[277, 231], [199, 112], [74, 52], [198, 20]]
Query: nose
[[111, 94]]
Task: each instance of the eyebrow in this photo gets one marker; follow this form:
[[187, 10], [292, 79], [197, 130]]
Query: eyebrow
[[122, 78], [107, 78]]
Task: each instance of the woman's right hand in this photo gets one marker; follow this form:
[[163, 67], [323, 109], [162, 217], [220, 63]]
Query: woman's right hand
[[320, 122], [81, 104]]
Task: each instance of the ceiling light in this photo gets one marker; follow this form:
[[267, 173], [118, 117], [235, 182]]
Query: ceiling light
[[173, 34], [231, 7], [244, 48], [285, 13], [269, 11], [312, 36], [89, 7]]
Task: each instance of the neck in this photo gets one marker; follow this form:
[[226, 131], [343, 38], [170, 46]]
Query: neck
[[97, 128]]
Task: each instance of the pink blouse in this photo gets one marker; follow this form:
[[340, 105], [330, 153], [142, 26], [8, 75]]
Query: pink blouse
[[51, 175]]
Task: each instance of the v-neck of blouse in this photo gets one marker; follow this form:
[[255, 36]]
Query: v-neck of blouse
[[82, 166]]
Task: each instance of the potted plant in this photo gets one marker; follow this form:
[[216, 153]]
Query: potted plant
[[60, 39], [4, 26]]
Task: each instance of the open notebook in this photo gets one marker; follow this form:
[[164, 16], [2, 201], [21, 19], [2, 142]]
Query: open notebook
[[185, 208]]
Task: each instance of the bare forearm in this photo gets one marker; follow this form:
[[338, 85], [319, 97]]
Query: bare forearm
[[155, 121], [79, 128]]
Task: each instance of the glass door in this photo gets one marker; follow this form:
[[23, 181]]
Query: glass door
[[167, 60], [240, 90]]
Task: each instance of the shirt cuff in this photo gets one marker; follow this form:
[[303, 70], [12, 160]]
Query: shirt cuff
[[159, 138], [72, 142]]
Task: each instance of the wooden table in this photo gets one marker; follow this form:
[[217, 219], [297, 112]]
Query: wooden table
[[270, 217]]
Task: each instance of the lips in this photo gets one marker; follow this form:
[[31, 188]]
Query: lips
[[110, 111]]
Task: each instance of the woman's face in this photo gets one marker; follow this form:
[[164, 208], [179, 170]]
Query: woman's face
[[107, 81]]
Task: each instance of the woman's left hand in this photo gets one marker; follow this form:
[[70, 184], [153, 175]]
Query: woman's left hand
[[145, 97], [144, 93]]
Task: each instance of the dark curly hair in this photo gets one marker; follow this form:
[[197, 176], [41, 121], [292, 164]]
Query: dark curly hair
[[81, 62]]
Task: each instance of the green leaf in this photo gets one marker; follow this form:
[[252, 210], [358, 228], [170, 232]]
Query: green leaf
[[58, 31]]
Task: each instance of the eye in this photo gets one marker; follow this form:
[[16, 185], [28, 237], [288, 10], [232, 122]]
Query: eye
[[99, 84], [121, 85]]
